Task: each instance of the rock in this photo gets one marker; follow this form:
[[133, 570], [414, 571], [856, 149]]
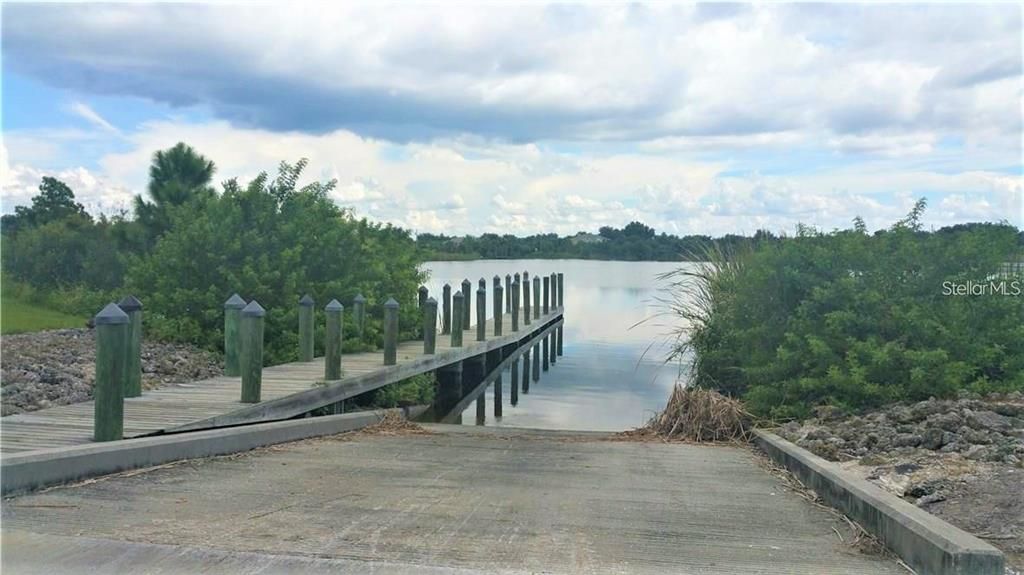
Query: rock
[[907, 440], [932, 438], [974, 436], [930, 498], [949, 421], [817, 434], [873, 460], [988, 420]]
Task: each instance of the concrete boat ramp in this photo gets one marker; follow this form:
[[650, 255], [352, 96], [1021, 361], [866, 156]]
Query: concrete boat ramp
[[453, 500]]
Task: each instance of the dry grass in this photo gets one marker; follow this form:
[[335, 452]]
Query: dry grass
[[698, 415], [393, 422]]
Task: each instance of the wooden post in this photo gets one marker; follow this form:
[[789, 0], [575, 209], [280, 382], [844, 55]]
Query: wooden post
[[458, 308], [446, 309], [508, 293], [391, 332], [514, 380], [536, 361], [252, 351], [526, 298], [561, 290], [333, 340], [526, 372], [497, 396], [467, 295], [514, 305], [481, 408], [544, 353], [306, 328], [422, 294], [359, 314], [430, 326], [111, 357], [553, 337], [232, 318], [547, 295], [498, 312], [449, 387], [481, 312], [133, 362], [517, 280], [536, 297]]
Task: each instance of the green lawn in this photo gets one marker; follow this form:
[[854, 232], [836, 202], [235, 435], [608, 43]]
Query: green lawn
[[17, 316]]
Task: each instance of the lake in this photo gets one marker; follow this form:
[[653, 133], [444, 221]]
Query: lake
[[613, 374]]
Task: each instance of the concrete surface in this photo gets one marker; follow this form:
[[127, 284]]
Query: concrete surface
[[22, 472], [925, 542], [463, 499]]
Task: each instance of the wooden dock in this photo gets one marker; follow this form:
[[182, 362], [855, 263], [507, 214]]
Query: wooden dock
[[288, 390]]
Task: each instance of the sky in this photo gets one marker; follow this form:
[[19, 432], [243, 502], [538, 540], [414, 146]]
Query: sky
[[533, 118]]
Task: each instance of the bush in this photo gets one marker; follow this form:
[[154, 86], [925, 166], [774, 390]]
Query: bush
[[273, 243], [854, 320]]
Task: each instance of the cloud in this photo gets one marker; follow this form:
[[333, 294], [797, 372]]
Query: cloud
[[535, 72], [90, 115]]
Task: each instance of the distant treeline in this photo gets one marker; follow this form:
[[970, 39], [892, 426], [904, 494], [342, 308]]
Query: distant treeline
[[635, 242]]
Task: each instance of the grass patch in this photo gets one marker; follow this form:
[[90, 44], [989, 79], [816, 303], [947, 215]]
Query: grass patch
[[16, 316]]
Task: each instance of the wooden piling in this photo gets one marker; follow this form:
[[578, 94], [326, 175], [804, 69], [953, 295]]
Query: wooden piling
[[359, 314], [111, 359], [467, 293], [421, 296], [333, 339], [133, 362], [252, 351], [514, 305], [430, 326], [559, 337], [514, 381], [536, 297], [526, 298], [547, 294], [391, 332], [481, 408], [458, 308], [554, 290], [498, 312], [232, 318], [508, 293], [306, 319], [497, 396], [553, 337], [536, 361], [526, 371], [544, 353], [481, 312], [446, 309], [561, 290], [449, 387]]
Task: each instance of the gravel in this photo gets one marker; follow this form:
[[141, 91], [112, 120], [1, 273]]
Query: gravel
[[962, 460], [48, 368]]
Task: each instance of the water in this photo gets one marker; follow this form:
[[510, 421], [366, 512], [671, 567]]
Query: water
[[612, 375]]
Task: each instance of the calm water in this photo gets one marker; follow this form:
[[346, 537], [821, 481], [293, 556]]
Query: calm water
[[604, 380]]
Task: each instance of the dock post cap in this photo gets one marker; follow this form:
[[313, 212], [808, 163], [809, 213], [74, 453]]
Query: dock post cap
[[516, 276], [254, 309], [431, 301], [334, 305], [359, 299], [111, 315], [234, 302], [129, 303], [423, 289], [458, 294], [307, 301], [482, 282], [497, 277], [391, 303]]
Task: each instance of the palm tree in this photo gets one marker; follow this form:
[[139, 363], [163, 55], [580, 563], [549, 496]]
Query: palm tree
[[177, 176]]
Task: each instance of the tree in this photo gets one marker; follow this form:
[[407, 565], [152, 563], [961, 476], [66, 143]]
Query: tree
[[177, 176], [55, 202]]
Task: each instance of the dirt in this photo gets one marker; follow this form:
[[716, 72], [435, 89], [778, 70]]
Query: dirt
[[57, 367]]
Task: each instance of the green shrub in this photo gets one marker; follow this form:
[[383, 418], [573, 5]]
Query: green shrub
[[854, 320], [272, 242]]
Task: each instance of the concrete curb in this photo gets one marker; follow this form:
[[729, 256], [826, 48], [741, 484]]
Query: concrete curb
[[23, 472], [926, 543]]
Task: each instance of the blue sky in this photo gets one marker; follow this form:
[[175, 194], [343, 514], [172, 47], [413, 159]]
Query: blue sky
[[460, 119]]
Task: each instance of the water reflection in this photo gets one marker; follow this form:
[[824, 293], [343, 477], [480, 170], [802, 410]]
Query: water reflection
[[611, 375]]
